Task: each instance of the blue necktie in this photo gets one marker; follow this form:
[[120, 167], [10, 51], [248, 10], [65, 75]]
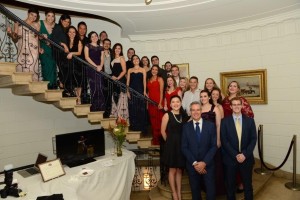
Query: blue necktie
[[198, 133]]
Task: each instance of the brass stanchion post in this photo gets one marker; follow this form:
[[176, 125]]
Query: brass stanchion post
[[261, 170], [294, 185]]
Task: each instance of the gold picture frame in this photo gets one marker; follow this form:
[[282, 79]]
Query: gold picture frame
[[184, 69], [253, 84]]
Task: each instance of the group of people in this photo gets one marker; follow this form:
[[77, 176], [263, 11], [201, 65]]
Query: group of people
[[210, 134], [213, 137]]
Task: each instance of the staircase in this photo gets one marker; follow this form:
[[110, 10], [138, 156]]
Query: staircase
[[21, 84]]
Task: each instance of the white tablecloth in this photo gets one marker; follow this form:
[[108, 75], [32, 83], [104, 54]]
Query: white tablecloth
[[106, 183]]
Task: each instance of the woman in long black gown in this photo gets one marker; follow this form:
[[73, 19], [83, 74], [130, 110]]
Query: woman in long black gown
[[73, 69], [171, 130], [94, 55], [136, 79]]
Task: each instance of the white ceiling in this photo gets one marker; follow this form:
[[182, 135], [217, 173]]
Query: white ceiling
[[169, 16]]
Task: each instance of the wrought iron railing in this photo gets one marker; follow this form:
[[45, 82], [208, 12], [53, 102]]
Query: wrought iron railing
[[9, 53]]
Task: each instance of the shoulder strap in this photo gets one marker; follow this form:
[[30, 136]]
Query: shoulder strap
[[212, 107]]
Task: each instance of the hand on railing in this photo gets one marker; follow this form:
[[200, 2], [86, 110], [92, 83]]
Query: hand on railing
[[160, 106], [114, 78], [69, 56], [14, 36], [99, 68], [66, 49]]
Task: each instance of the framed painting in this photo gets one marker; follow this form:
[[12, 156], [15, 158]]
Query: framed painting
[[184, 69], [253, 84]]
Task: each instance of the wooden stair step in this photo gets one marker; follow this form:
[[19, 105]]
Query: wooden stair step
[[17, 78], [66, 103], [108, 122], [33, 88], [7, 68], [95, 117], [133, 136], [49, 96], [81, 110], [154, 194], [144, 143]]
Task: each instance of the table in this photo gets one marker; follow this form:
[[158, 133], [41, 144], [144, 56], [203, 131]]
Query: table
[[106, 183]]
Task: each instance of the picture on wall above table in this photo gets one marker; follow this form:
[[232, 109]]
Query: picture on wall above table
[[253, 84]]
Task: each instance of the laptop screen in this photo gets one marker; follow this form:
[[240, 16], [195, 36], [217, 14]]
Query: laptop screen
[[40, 159]]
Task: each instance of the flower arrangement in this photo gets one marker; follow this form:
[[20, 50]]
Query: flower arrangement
[[118, 134]]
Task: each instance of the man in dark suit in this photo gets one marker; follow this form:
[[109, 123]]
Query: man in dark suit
[[199, 145], [130, 53], [238, 138]]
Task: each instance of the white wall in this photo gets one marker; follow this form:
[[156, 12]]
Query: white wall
[[273, 44], [27, 127]]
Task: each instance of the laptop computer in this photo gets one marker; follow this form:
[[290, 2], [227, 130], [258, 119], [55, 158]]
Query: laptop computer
[[41, 158]]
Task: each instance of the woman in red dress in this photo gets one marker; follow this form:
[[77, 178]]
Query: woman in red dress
[[155, 86], [234, 91], [171, 91]]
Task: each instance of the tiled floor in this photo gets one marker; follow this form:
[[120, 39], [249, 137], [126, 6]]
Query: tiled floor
[[273, 190]]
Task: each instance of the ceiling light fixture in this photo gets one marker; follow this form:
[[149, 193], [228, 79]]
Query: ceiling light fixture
[[147, 2]]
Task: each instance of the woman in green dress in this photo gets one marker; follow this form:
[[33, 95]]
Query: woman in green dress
[[47, 61]]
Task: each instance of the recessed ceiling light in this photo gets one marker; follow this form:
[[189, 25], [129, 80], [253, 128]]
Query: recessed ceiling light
[[147, 2]]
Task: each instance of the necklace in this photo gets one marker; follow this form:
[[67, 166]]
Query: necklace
[[179, 121]]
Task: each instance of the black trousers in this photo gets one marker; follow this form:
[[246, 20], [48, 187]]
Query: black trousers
[[245, 170]]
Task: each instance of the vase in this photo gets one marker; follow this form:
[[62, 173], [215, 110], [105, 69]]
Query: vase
[[119, 149]]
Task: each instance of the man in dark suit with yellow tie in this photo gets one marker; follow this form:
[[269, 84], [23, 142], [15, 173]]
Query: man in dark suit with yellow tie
[[199, 145], [238, 139]]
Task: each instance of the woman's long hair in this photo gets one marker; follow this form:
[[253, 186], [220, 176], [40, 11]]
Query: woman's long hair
[[76, 39]]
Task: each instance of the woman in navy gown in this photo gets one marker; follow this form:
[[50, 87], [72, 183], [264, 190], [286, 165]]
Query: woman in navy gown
[[94, 55], [136, 79]]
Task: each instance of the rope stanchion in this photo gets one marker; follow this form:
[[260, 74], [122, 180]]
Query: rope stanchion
[[294, 185], [262, 160], [261, 170], [290, 185]]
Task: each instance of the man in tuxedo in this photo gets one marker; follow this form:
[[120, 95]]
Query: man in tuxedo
[[130, 53], [199, 145], [238, 138]]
